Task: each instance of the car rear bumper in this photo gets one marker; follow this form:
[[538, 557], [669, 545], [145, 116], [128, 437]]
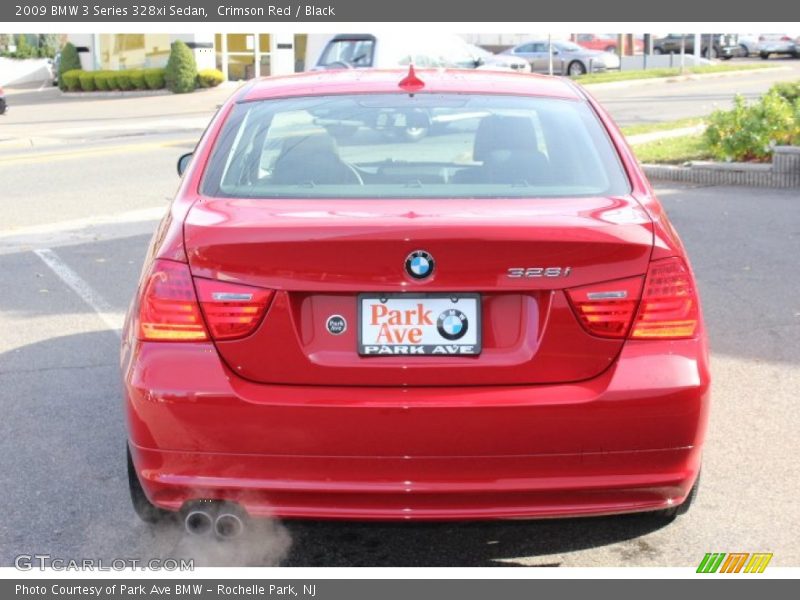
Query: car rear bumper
[[629, 440]]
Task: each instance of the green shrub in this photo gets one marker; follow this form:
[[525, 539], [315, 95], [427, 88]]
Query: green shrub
[[70, 61], [113, 84], [788, 89], [101, 80], [87, 81], [208, 78], [137, 79], [124, 80], [181, 72], [749, 132], [71, 80], [154, 78]]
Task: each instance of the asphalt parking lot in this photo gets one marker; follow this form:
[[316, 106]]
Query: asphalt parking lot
[[83, 212]]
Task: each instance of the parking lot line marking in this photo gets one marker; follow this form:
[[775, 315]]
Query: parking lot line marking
[[79, 285]]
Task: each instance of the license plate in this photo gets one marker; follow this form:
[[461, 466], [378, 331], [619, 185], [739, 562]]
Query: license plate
[[419, 324]]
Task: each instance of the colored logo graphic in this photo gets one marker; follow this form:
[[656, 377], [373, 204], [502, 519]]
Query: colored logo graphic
[[452, 324], [419, 264], [336, 325], [734, 562]]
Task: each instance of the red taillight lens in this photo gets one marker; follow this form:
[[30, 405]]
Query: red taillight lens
[[231, 310], [607, 309], [670, 308], [786, 38], [168, 310]]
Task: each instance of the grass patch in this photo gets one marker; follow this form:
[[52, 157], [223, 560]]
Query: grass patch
[[667, 72], [673, 151], [663, 126]]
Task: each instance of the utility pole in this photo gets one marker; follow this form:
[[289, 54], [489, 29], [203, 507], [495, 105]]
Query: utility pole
[[683, 53]]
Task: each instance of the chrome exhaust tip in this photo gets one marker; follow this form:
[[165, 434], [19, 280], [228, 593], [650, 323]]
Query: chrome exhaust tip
[[198, 522], [228, 525]]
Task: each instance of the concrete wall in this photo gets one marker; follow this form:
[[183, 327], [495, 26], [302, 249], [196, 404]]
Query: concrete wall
[[14, 71]]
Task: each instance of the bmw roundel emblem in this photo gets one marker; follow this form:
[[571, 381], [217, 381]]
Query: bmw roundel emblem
[[452, 324], [419, 264]]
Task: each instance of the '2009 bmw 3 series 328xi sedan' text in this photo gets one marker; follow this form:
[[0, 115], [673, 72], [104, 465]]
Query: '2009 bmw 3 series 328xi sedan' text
[[397, 295]]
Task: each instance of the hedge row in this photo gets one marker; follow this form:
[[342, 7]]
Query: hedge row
[[131, 79]]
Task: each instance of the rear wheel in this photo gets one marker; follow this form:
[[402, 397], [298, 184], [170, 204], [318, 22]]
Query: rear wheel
[[676, 511], [764, 55], [144, 509], [658, 50], [575, 68], [612, 49]]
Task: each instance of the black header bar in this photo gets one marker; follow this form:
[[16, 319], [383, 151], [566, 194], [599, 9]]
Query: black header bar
[[451, 11]]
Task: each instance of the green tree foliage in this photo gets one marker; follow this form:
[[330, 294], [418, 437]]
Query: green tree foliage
[[70, 61], [181, 71]]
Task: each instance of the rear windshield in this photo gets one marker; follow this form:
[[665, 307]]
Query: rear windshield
[[420, 146]]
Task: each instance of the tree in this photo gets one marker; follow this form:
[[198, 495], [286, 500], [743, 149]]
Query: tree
[[69, 62], [48, 44], [181, 71]]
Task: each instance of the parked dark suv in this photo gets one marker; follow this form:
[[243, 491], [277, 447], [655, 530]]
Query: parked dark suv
[[724, 45]]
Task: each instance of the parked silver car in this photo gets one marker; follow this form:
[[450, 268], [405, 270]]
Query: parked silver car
[[777, 43], [568, 58], [498, 62]]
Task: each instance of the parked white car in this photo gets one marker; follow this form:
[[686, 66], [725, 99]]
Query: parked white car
[[355, 51]]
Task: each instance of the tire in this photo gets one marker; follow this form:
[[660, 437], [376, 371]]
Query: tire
[[726, 57], [676, 511], [743, 49], [576, 68], [3, 106], [658, 50], [612, 49], [764, 55], [414, 134], [141, 505]]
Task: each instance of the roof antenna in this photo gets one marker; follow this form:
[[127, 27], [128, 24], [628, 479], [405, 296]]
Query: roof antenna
[[411, 83]]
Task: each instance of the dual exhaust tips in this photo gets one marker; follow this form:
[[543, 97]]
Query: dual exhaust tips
[[224, 519]]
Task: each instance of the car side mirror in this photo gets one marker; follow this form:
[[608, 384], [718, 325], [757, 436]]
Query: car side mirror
[[183, 162]]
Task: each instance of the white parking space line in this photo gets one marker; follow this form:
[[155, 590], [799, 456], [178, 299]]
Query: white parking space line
[[77, 284]]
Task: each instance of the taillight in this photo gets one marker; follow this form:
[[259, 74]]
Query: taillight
[[168, 309], [607, 309], [786, 38], [231, 310], [670, 308]]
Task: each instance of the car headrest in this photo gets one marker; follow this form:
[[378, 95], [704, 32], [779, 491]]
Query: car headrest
[[305, 146], [496, 133]]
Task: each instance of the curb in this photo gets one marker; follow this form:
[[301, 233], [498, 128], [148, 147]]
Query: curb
[[783, 172], [675, 79], [115, 94]]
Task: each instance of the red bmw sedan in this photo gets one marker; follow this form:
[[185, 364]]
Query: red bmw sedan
[[394, 295]]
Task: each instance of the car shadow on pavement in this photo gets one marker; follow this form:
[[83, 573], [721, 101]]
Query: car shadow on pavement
[[63, 405], [458, 544]]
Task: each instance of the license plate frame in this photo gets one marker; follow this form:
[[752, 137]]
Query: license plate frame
[[447, 347]]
